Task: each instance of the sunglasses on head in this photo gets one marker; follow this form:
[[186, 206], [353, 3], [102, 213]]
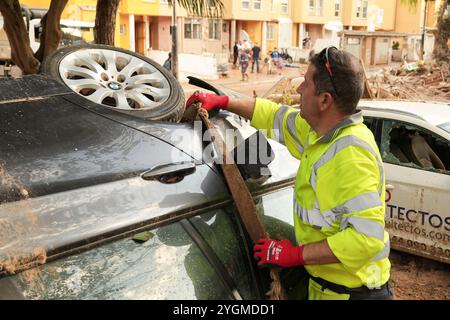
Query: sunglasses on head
[[324, 56]]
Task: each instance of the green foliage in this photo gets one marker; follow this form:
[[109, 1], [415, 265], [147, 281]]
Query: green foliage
[[410, 3], [203, 8], [143, 236]]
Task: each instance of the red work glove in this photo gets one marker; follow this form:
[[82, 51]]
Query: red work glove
[[279, 253], [209, 101]]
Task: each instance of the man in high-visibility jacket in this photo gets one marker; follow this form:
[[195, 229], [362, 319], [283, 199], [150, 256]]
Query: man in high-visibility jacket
[[340, 188]]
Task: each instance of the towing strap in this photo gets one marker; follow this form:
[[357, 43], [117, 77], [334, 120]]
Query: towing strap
[[239, 192]]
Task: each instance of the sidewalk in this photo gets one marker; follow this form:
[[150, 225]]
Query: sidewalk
[[259, 83]]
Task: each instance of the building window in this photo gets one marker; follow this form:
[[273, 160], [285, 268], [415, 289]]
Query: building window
[[192, 29], [315, 8], [257, 4], [353, 41], [337, 8], [284, 6], [319, 8], [123, 29], [272, 5], [361, 8], [365, 5], [214, 29], [246, 4], [270, 31], [312, 4]]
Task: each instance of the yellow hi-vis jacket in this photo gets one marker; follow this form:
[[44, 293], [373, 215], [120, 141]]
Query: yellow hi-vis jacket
[[339, 193]]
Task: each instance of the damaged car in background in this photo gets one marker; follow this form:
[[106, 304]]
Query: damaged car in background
[[414, 141]]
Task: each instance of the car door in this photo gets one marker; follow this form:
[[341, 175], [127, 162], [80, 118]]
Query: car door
[[417, 194]]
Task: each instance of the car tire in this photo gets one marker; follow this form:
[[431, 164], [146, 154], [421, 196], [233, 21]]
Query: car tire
[[130, 83]]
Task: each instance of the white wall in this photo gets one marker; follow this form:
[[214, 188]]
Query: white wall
[[200, 66]]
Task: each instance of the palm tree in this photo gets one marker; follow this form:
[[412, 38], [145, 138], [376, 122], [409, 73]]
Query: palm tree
[[208, 8], [441, 51], [202, 8]]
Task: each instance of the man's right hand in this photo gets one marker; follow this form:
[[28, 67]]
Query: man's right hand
[[209, 101]]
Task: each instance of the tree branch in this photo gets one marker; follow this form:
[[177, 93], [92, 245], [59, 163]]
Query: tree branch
[[14, 25], [105, 21], [51, 29]]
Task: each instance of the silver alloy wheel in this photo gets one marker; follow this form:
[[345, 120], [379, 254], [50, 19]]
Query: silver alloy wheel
[[114, 79]]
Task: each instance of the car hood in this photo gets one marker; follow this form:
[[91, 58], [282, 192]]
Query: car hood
[[50, 144]]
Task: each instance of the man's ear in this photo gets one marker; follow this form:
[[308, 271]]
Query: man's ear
[[325, 101]]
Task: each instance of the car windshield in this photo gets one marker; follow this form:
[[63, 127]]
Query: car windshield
[[445, 126]]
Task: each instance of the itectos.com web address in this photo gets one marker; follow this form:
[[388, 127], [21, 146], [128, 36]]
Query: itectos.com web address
[[409, 228]]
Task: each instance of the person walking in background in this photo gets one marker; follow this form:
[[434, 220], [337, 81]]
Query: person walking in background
[[244, 60], [275, 56], [255, 57], [168, 63], [235, 54]]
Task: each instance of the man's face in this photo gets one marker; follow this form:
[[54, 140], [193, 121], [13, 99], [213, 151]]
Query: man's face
[[309, 100]]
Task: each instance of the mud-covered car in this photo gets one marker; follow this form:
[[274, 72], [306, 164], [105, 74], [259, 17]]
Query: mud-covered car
[[102, 199]]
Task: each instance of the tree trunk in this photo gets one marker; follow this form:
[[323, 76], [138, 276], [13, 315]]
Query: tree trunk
[[51, 29], [441, 52], [14, 25], [105, 21]]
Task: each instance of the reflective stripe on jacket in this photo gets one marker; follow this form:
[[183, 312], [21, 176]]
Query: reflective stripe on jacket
[[339, 193]]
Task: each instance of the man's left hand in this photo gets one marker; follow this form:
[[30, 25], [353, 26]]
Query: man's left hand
[[279, 253]]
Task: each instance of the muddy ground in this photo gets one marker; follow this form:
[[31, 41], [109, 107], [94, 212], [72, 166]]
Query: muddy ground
[[416, 278]]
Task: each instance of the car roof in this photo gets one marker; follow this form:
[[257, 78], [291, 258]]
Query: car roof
[[435, 113]]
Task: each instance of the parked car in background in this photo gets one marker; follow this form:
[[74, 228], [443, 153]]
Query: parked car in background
[[414, 141]]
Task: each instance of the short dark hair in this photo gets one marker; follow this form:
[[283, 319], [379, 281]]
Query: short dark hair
[[346, 84]]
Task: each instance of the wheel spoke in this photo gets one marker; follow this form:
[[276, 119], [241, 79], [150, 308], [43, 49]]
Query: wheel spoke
[[156, 92], [152, 78], [121, 100], [110, 60], [71, 70], [82, 83], [141, 99], [133, 65], [99, 95], [86, 58]]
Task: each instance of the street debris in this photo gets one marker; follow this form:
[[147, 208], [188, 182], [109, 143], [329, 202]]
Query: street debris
[[411, 81], [417, 81]]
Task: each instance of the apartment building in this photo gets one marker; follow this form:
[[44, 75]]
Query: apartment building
[[145, 24]]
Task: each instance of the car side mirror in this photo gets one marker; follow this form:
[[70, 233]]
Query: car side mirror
[[253, 157]]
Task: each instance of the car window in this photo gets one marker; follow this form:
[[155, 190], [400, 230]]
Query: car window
[[369, 122], [276, 210], [220, 231], [412, 146], [169, 265], [373, 125], [445, 126]]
